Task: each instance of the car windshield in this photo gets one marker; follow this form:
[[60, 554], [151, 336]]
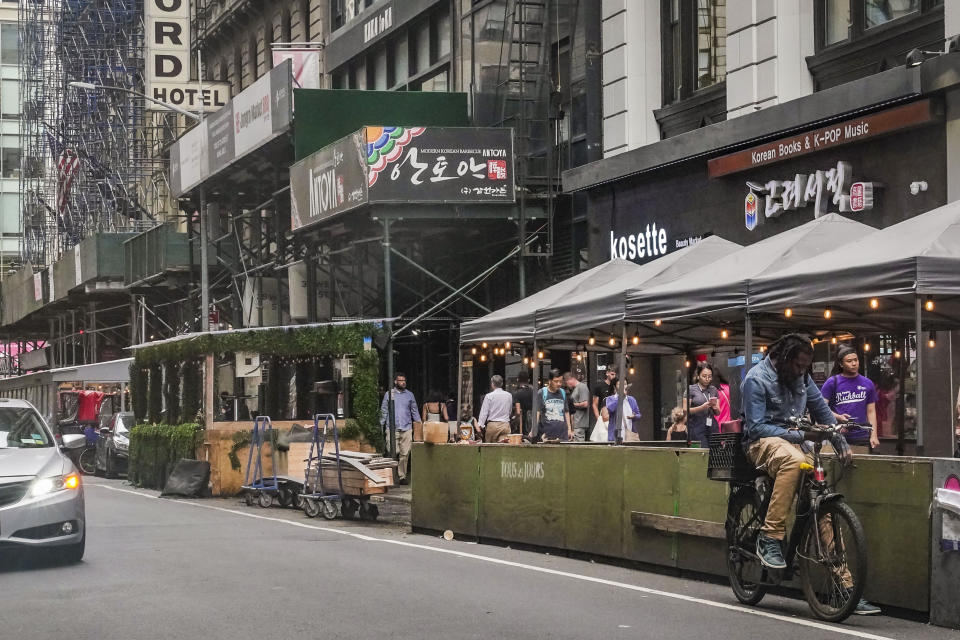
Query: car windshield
[[22, 428], [123, 423]]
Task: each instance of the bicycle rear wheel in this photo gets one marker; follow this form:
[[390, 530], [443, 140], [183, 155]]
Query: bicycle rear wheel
[[744, 519], [833, 562], [87, 461]]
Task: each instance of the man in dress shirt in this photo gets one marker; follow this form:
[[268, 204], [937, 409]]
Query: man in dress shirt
[[495, 411], [405, 413]]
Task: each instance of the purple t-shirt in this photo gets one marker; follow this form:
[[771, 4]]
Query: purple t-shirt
[[850, 396]]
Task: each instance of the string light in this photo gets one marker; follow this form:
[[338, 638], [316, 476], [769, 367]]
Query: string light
[[593, 339], [657, 322], [483, 357], [866, 346], [506, 345], [874, 303], [526, 360], [788, 312], [579, 357], [897, 354], [724, 334], [763, 349], [473, 351], [533, 365], [612, 341], [929, 304], [833, 339], [540, 354], [686, 363], [483, 345], [632, 371], [932, 342], [636, 338], [827, 313]]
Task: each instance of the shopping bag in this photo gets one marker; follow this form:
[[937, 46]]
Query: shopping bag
[[599, 433]]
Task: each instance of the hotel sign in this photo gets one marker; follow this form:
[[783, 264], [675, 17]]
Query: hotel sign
[[896, 119]]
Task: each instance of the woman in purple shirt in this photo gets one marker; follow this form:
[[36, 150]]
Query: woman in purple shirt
[[851, 396]]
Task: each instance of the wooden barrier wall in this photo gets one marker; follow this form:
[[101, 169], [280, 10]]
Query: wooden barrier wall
[[579, 498]]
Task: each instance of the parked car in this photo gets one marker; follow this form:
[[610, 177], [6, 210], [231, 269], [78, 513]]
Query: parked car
[[41, 495], [113, 445]]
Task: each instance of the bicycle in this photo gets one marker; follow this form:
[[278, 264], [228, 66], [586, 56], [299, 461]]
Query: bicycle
[[826, 545]]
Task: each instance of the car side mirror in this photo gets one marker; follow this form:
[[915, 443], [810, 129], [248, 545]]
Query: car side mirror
[[105, 431], [74, 441]]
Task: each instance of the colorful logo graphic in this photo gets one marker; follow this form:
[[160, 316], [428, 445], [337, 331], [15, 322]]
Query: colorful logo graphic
[[750, 211], [385, 145]]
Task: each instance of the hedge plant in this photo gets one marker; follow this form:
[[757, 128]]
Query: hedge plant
[[155, 400], [192, 390], [156, 448]]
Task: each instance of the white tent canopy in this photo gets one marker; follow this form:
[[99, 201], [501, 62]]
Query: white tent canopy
[[604, 304], [723, 285], [917, 256]]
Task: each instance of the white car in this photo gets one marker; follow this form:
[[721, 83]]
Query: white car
[[41, 494]]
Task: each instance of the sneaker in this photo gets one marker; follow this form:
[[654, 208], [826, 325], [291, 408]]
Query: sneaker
[[771, 555], [864, 608]]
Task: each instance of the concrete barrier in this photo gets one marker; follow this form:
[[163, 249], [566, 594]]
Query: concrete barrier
[[581, 499]]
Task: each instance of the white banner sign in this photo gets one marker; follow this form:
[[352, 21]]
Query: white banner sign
[[251, 116], [168, 60], [306, 66]]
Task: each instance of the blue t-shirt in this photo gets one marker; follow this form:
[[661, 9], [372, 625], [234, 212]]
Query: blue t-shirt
[[553, 409]]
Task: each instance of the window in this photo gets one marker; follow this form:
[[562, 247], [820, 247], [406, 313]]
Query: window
[[9, 49], [10, 159], [843, 20], [399, 60], [694, 47], [438, 82], [9, 99]]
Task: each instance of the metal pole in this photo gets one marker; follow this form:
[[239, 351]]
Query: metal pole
[[535, 383], [204, 265], [748, 341], [388, 313], [918, 310], [622, 390]]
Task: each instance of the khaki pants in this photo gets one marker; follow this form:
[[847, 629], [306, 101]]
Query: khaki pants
[[496, 430], [404, 440], [781, 461]]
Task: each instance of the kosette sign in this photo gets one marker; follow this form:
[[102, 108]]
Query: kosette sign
[[649, 242]]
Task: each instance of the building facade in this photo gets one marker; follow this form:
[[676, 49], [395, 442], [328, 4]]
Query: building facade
[[10, 147], [747, 119]]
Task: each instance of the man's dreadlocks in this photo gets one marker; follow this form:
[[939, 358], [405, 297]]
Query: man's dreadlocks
[[786, 349]]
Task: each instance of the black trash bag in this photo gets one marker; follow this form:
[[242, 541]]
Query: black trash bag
[[189, 479]]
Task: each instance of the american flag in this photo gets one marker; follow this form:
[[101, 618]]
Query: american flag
[[67, 168]]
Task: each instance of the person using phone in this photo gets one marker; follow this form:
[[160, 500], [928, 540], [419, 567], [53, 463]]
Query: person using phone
[[702, 406]]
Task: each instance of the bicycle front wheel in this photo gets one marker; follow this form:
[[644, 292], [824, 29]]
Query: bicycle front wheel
[[833, 562], [87, 461], [744, 519]]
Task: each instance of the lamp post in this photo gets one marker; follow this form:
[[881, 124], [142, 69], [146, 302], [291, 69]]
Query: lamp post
[[204, 266]]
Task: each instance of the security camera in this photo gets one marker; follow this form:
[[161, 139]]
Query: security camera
[[917, 187]]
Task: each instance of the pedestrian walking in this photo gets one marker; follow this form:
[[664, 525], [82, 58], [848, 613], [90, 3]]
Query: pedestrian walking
[[435, 409], [702, 405], [405, 414], [553, 418], [626, 424], [603, 389], [495, 411], [852, 397], [579, 405], [523, 403]]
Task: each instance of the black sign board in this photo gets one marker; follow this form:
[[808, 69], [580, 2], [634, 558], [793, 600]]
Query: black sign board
[[440, 164], [328, 182]]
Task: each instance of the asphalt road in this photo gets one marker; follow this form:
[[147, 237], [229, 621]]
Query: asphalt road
[[158, 568]]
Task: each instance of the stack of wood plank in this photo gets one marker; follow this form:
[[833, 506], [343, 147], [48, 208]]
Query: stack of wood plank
[[362, 473]]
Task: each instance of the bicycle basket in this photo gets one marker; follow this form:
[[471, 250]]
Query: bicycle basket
[[727, 460]]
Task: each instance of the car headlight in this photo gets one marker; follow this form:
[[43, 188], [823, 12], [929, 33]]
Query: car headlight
[[121, 442], [43, 486]]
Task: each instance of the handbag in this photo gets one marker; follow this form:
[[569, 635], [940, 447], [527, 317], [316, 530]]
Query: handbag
[[599, 433]]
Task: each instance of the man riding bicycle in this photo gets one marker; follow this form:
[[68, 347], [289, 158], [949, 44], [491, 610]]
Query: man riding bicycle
[[776, 390]]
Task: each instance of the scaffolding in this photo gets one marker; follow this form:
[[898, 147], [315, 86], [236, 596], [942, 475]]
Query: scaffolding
[[93, 160]]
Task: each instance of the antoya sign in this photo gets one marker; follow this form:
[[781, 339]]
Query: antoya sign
[[403, 165], [821, 188], [168, 60]]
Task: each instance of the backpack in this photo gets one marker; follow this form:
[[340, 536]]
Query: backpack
[[563, 393]]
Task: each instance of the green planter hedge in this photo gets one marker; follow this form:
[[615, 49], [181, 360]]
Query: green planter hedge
[[156, 448]]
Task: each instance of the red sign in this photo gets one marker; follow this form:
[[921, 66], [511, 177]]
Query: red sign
[[896, 119], [214, 316]]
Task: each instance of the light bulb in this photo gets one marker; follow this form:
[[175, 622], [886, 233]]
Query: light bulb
[[483, 357], [473, 351], [579, 357], [612, 341], [483, 345], [686, 363], [929, 304], [540, 354], [593, 339], [636, 339], [724, 334], [833, 339], [526, 360], [533, 365], [788, 312], [762, 349], [506, 345], [896, 354], [632, 371], [866, 346], [874, 303], [932, 342], [827, 313], [657, 322]]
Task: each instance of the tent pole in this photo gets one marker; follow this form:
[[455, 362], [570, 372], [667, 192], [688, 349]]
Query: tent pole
[[459, 390], [535, 383], [622, 390], [919, 393], [747, 341]]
